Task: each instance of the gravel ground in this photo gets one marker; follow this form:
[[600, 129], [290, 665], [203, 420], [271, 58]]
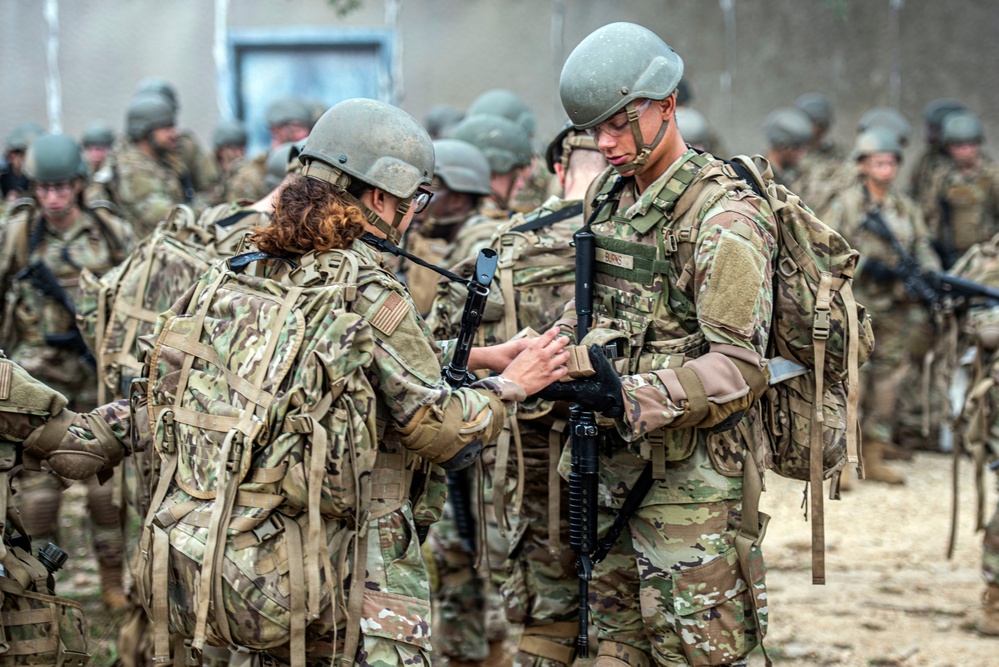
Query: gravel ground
[[891, 598]]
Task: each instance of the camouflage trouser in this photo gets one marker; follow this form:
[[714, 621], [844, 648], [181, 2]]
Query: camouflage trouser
[[990, 548], [672, 590], [541, 592], [469, 610], [901, 340]]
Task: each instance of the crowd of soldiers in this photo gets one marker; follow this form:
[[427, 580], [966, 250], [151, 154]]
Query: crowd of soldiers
[[77, 211]]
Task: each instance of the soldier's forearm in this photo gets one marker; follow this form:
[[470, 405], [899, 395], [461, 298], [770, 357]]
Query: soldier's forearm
[[78, 446]]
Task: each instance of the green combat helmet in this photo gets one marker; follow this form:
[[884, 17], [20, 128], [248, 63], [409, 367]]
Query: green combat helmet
[[888, 118], [148, 112], [230, 133], [286, 110], [817, 107], [935, 111], [787, 127], [565, 142], [876, 140], [961, 127], [375, 143], [441, 119], [504, 143], [500, 102], [461, 166], [54, 158], [614, 68], [280, 161], [684, 95], [693, 126], [22, 135], [161, 87], [97, 134]]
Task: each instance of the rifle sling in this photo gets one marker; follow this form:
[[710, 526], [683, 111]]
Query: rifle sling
[[550, 218], [631, 504]]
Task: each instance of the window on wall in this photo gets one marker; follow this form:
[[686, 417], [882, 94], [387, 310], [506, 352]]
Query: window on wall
[[327, 66]]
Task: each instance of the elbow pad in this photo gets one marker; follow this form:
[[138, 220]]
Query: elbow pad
[[441, 436], [717, 389], [70, 455]]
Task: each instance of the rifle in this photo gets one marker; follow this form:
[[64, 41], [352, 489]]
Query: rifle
[[945, 244], [929, 287], [583, 435], [40, 277]]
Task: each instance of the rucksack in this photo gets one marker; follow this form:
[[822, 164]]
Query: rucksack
[[261, 412], [819, 338]]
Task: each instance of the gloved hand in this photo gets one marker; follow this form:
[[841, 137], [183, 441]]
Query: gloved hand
[[600, 392], [877, 271]]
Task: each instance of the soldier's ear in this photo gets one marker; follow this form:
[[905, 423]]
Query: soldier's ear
[[667, 107]]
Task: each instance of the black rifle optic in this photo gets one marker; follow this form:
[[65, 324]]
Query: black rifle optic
[[39, 276], [929, 287]]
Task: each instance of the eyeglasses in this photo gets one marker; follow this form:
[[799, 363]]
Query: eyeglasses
[[618, 124], [421, 200], [60, 188]]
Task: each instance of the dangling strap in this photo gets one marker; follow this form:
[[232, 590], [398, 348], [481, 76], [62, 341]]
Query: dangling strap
[[555, 439], [317, 471], [296, 593], [853, 443], [820, 333], [751, 533], [510, 431]]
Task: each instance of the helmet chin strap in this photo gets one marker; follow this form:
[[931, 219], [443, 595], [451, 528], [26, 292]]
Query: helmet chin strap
[[341, 181], [644, 149]]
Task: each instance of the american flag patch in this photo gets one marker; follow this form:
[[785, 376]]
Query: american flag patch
[[390, 313], [6, 370]]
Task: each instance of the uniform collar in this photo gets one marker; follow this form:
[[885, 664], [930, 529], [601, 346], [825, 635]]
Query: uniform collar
[[631, 209]]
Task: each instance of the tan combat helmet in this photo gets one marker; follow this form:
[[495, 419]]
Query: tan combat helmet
[[461, 167], [614, 68], [961, 127], [374, 143], [504, 142], [877, 140], [504, 103], [567, 140], [147, 112], [787, 127], [54, 158], [888, 118]]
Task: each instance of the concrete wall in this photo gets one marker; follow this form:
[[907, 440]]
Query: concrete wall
[[451, 50]]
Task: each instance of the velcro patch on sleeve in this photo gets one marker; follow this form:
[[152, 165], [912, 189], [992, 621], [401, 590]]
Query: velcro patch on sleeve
[[388, 316], [733, 289], [6, 371]]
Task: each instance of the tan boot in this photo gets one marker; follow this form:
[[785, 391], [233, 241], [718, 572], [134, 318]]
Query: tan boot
[[893, 452], [988, 624], [112, 593], [874, 464]]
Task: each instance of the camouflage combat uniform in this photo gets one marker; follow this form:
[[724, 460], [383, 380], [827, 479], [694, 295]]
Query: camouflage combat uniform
[[247, 179], [926, 165], [96, 241], [962, 209], [414, 401], [205, 176], [672, 589], [901, 324], [146, 188], [477, 231], [534, 192]]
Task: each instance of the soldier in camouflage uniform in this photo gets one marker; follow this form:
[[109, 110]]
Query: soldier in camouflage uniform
[[901, 323], [788, 132], [688, 329], [461, 180], [230, 153], [961, 202], [426, 420], [54, 230], [507, 147], [146, 177], [13, 182], [289, 119], [441, 119], [537, 181], [824, 158], [195, 161], [97, 141], [935, 153]]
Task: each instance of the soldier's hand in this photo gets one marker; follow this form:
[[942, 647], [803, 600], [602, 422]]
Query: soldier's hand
[[540, 363], [496, 358], [600, 392]]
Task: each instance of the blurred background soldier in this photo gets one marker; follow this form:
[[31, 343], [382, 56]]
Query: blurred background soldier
[[47, 241], [507, 147], [441, 119], [935, 154], [961, 202], [461, 180], [289, 119], [230, 153], [13, 182], [873, 215], [196, 161], [146, 178], [788, 132], [96, 141], [499, 102], [694, 128]]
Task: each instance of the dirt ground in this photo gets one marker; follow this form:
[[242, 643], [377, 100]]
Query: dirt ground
[[892, 597]]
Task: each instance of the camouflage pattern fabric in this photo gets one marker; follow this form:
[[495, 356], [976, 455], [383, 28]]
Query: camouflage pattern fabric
[[200, 164], [901, 324], [535, 189], [247, 179], [657, 318], [967, 202], [477, 231], [146, 188], [927, 164]]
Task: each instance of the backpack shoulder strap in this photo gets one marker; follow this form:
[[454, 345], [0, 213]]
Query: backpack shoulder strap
[[112, 227], [15, 235]]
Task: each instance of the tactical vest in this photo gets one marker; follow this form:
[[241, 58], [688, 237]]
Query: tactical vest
[[966, 201]]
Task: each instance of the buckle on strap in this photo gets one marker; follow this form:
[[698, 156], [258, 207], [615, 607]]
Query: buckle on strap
[[821, 324], [268, 528]]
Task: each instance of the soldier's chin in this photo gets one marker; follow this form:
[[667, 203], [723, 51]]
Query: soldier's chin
[[624, 170]]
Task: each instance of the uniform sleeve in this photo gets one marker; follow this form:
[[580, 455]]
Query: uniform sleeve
[[431, 419], [78, 446], [146, 199], [733, 287]]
